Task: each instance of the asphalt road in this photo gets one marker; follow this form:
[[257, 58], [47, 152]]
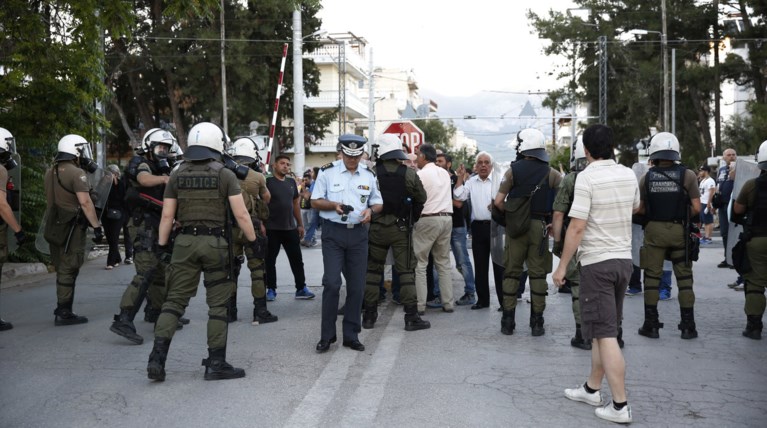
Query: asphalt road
[[462, 372]]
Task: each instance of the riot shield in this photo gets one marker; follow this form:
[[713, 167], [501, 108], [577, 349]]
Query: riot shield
[[497, 232], [101, 184], [745, 169], [40, 243], [13, 193]]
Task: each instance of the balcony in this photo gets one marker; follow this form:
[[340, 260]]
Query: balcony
[[355, 107], [325, 145], [328, 54]]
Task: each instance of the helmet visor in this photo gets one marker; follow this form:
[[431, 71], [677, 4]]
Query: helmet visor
[[85, 150]]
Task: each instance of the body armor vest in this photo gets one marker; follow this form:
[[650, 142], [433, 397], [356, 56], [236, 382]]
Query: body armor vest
[[666, 198], [526, 174], [393, 190], [199, 194], [759, 222]]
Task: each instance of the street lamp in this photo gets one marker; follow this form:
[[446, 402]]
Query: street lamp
[[664, 59]]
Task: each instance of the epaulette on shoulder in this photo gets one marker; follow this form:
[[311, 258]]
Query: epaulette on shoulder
[[326, 166]]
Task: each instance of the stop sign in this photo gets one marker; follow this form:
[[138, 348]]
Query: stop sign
[[408, 133]]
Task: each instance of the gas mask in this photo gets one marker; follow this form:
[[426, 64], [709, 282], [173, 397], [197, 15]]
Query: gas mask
[[241, 171]]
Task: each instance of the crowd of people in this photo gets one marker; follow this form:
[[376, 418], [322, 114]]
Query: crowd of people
[[215, 211]]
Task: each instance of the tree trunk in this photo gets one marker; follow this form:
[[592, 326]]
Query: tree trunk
[[759, 79], [702, 110], [170, 84]]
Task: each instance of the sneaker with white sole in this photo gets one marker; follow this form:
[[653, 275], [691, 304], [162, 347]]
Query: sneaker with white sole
[[580, 394], [609, 413]]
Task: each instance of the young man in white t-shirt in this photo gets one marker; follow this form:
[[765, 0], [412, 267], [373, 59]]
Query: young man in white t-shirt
[[707, 188]]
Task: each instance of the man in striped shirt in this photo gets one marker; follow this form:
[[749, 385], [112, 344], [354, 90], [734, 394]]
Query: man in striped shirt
[[606, 195]]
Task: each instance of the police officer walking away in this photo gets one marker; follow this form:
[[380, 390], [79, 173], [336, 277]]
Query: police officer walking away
[[199, 195], [528, 177], [7, 149], [669, 197], [560, 221], [402, 194], [346, 195], [752, 201], [147, 173], [70, 211], [255, 194]]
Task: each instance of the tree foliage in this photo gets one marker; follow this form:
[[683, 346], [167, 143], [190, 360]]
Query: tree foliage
[[635, 77]]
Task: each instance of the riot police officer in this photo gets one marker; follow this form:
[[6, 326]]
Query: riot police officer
[[70, 211], [147, 173], [199, 195], [402, 194], [559, 223], [7, 150], [752, 201], [530, 176], [256, 197], [669, 197]]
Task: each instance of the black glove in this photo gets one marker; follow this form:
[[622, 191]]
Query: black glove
[[258, 247], [98, 235], [21, 237], [558, 247], [164, 253]]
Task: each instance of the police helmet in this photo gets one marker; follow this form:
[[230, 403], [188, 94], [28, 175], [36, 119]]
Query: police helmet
[[579, 155], [73, 146], [243, 150], [761, 156], [206, 141], [7, 142], [390, 147], [532, 143], [352, 145], [158, 142], [664, 146]]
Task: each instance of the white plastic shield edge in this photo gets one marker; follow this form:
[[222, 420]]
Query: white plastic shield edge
[[745, 169], [497, 232]]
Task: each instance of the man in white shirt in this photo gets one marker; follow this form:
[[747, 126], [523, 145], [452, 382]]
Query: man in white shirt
[[707, 187], [433, 230], [479, 189]]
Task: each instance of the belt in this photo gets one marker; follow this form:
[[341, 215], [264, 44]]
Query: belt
[[437, 215], [347, 225], [539, 217], [200, 230], [481, 221]]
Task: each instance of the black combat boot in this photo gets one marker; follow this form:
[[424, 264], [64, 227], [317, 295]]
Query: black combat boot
[[578, 342], [651, 324], [216, 367], [507, 322], [260, 314], [536, 324], [687, 326], [65, 316], [123, 326], [155, 369], [753, 327], [369, 316], [231, 309], [5, 325], [413, 321]]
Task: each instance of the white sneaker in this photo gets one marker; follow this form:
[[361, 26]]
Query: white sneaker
[[580, 394], [608, 412]]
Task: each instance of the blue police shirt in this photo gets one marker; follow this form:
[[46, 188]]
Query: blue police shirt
[[358, 189]]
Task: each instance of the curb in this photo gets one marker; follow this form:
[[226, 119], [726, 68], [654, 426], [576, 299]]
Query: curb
[[15, 271]]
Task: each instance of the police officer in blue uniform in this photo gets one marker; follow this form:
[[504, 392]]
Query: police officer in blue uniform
[[346, 195]]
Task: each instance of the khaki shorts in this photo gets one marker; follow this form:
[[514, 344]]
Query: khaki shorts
[[603, 286]]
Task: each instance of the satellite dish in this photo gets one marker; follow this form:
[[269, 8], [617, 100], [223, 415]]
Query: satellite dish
[[253, 126]]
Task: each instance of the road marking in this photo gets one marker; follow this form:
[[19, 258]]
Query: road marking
[[366, 400], [309, 412]]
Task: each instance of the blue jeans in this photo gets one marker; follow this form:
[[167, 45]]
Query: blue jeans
[[462, 262], [665, 280], [311, 228]]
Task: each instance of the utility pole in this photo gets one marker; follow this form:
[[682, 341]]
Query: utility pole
[[664, 48], [224, 117], [298, 94], [371, 105], [602, 80], [717, 94]]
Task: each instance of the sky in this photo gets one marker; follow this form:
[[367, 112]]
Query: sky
[[471, 57]]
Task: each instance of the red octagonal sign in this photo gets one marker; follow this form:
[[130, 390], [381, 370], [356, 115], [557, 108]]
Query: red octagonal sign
[[408, 133]]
